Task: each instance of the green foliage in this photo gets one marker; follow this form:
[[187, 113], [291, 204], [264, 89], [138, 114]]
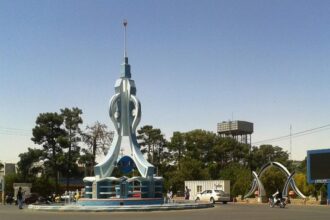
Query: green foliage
[[302, 166], [72, 121], [265, 153], [303, 186], [59, 135], [273, 179], [191, 170], [43, 185], [323, 192], [49, 133], [199, 145], [152, 143], [10, 179], [240, 178], [26, 165], [228, 150], [177, 148]]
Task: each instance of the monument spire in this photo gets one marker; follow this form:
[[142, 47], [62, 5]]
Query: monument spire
[[125, 25], [125, 67]]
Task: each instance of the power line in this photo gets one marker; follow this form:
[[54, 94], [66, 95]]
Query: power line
[[15, 134], [14, 131], [290, 142], [297, 134]]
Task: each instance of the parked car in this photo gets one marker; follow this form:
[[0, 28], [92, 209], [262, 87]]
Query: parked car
[[213, 195]]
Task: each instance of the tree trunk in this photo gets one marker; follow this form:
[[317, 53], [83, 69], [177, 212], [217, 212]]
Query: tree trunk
[[69, 165], [94, 155]]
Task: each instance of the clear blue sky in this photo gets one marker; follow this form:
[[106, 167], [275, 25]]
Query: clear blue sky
[[195, 63]]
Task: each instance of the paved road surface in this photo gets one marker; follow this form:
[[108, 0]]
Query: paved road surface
[[229, 211]]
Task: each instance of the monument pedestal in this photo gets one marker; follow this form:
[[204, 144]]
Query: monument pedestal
[[113, 189]]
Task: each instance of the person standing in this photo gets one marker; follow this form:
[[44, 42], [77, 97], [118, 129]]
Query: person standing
[[169, 196], [20, 198], [187, 193]]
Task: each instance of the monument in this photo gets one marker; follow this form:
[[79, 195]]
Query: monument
[[257, 184], [124, 153]]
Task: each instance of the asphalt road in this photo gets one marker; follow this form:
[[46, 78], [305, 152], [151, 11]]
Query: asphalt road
[[229, 211]]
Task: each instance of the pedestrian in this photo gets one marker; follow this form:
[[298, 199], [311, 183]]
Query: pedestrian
[[53, 197], [187, 193], [7, 199], [169, 196], [20, 198]]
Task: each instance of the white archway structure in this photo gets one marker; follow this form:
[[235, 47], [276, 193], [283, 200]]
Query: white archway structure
[[256, 183]]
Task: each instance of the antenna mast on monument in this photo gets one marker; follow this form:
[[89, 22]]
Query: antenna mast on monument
[[125, 25]]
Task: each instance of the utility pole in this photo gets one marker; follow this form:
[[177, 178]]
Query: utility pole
[[290, 142], [2, 181]]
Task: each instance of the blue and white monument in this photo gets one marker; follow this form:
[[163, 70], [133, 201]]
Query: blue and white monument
[[124, 153]]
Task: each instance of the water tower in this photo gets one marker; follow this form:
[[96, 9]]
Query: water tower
[[239, 130]]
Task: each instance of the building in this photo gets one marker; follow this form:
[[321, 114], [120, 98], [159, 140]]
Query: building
[[198, 186], [9, 168], [26, 188], [2, 188]]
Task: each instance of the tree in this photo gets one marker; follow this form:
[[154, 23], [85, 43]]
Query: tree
[[191, 169], [43, 185], [27, 161], [239, 176], [302, 167], [177, 147], [29, 165], [10, 179], [213, 153], [199, 145], [145, 137], [301, 182], [49, 133], [229, 150], [72, 120], [266, 153], [1, 165], [98, 139], [273, 179], [152, 143]]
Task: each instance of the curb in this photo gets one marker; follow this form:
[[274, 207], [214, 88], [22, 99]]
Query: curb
[[132, 208]]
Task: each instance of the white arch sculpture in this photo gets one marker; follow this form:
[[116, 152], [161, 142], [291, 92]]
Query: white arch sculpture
[[256, 183]]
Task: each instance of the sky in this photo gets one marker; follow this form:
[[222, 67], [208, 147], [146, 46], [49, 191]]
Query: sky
[[195, 63]]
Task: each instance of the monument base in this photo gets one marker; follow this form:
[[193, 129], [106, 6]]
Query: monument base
[[120, 202], [120, 208], [124, 189]]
